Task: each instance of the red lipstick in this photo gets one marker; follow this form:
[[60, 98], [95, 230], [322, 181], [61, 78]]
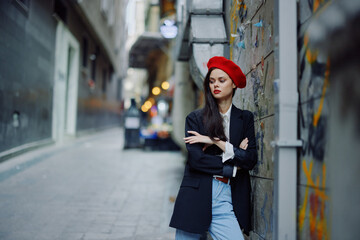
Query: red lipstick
[[217, 91]]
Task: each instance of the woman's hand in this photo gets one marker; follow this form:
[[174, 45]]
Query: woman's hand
[[243, 145], [198, 138]]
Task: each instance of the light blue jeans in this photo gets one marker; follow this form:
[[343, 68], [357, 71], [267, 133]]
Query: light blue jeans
[[224, 225]]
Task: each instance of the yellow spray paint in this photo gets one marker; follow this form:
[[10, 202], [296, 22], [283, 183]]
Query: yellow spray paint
[[235, 7], [317, 200], [326, 83]]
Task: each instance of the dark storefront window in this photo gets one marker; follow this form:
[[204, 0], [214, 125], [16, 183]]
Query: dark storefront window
[[85, 52], [93, 59], [104, 80], [93, 70]]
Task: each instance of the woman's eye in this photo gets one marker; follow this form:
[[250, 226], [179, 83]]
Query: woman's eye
[[222, 80]]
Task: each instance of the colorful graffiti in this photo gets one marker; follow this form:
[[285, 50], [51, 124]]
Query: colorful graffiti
[[318, 198], [238, 12], [314, 113], [314, 82], [314, 145]]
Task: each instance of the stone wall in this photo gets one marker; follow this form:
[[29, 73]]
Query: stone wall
[[252, 48]]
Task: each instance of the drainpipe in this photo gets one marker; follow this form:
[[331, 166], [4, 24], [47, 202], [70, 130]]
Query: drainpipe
[[286, 102]]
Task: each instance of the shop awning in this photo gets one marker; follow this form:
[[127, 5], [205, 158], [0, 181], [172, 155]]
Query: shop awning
[[141, 49]]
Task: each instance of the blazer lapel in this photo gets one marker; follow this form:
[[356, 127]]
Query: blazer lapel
[[236, 126]]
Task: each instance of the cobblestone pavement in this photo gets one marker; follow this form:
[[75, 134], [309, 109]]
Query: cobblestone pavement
[[89, 188]]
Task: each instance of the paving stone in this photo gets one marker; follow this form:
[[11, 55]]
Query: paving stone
[[89, 188]]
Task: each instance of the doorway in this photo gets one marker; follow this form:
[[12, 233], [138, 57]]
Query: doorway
[[65, 84]]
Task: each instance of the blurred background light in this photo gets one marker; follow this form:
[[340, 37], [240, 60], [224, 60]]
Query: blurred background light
[[156, 91], [165, 85]]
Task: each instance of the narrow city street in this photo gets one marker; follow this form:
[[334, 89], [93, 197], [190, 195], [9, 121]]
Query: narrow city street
[[89, 188]]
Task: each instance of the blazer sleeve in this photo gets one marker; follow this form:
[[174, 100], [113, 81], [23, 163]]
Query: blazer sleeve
[[247, 159], [200, 161]]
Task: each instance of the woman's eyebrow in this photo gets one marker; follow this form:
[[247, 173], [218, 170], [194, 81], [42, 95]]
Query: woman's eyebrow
[[217, 77]]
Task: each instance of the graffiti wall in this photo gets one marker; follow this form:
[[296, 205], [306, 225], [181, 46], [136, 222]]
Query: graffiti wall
[[321, 212], [314, 72], [252, 48]]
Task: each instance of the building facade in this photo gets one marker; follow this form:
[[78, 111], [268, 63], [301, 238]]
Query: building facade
[[284, 50], [62, 66]]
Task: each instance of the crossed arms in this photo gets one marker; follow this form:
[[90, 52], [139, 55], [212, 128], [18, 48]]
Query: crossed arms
[[244, 157]]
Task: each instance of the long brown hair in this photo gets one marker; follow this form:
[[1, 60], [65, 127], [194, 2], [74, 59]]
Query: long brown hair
[[212, 120]]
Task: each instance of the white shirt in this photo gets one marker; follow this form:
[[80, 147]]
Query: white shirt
[[229, 150]]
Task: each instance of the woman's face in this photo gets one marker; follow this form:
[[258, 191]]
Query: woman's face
[[221, 85]]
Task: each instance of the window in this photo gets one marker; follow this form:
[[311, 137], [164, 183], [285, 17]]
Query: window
[[93, 70], [104, 80], [111, 72], [93, 58], [85, 52]]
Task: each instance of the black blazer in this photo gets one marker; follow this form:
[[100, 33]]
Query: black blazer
[[192, 210]]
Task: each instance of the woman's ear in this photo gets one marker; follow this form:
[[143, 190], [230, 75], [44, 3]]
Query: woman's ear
[[233, 85]]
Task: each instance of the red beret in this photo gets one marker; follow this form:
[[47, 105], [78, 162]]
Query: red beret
[[228, 66]]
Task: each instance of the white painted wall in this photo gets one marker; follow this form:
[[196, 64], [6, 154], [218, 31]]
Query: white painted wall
[[65, 84]]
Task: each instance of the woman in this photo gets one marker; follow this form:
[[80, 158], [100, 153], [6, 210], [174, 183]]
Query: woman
[[214, 195]]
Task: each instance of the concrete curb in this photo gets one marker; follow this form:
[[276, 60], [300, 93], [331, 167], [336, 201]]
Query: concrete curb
[[24, 148]]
